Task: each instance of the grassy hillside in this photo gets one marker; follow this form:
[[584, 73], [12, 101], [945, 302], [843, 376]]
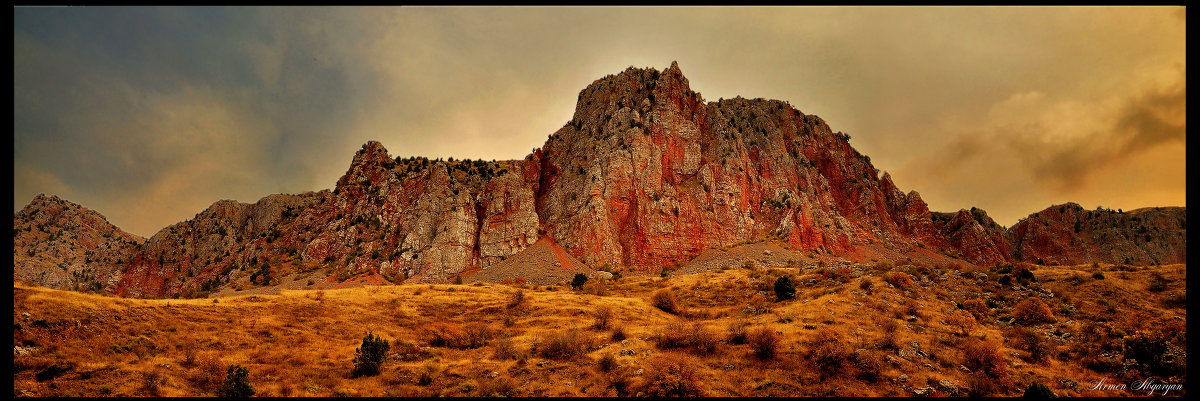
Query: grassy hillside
[[911, 330]]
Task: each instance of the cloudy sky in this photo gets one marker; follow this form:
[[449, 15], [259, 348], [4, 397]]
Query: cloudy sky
[[148, 115]]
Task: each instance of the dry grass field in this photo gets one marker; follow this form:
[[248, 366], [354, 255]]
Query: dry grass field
[[850, 331]]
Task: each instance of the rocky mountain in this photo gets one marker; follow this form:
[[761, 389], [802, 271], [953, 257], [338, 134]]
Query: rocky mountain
[[645, 175], [1069, 234], [59, 244]]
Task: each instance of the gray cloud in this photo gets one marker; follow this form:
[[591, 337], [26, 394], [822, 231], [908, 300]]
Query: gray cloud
[[149, 114]]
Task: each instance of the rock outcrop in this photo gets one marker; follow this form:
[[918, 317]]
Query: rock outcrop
[[59, 244], [1069, 234], [645, 175]]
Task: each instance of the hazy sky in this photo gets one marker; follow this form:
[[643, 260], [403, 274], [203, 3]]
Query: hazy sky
[[148, 115]]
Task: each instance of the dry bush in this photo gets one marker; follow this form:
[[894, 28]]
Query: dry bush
[[516, 299], [1031, 341], [765, 342], [827, 351], [737, 331], [443, 334], [607, 362], [564, 345], [978, 308], [621, 381], [672, 376], [1032, 311], [618, 333], [151, 381], [984, 356], [962, 320], [504, 348], [867, 285], [696, 337], [498, 387], [664, 299], [899, 279], [189, 355], [210, 372], [674, 335], [428, 373], [478, 335], [704, 341], [867, 365], [888, 339], [408, 351], [603, 315], [596, 287], [980, 385]]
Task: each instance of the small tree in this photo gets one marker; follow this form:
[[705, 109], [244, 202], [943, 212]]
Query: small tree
[[369, 356], [578, 281], [237, 383], [784, 288]]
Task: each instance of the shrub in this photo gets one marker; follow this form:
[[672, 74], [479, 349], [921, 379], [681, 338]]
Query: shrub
[[1032, 311], [442, 334], [516, 299], [1158, 283], [504, 348], [369, 356], [1029, 340], [703, 340], [889, 340], [607, 362], [1038, 390], [408, 351], [564, 345], [603, 315], [827, 351], [1098, 275], [737, 332], [427, 373], [784, 288], [596, 287], [237, 383], [899, 279], [672, 376], [578, 281], [867, 285], [868, 366], [980, 385], [984, 356], [764, 341], [674, 335], [1150, 349], [477, 335], [618, 333], [962, 320], [978, 308], [664, 299]]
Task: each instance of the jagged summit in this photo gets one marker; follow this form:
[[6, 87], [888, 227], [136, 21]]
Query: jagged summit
[[646, 175]]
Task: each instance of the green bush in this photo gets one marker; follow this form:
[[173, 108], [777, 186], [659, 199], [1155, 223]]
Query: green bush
[[237, 383], [578, 281], [784, 288], [369, 356]]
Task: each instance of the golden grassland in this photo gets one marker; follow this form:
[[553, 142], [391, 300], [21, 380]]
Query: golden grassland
[[838, 337]]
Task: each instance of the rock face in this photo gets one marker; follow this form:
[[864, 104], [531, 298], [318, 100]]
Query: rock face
[[1068, 234], [59, 244], [975, 236], [646, 174]]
